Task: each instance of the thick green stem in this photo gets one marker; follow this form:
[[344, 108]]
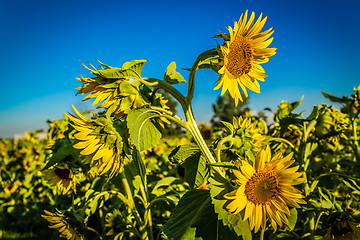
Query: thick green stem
[[147, 215], [132, 206], [195, 132], [355, 141]]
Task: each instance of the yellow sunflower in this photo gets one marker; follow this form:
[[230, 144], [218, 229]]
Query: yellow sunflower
[[62, 177], [265, 190], [243, 54], [100, 143], [68, 227]]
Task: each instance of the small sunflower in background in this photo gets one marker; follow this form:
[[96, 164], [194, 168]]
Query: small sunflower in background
[[61, 176], [66, 224], [265, 190], [243, 53]]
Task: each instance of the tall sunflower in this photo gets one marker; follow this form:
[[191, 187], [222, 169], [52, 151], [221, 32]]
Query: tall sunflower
[[243, 53], [62, 177], [265, 190], [66, 224]]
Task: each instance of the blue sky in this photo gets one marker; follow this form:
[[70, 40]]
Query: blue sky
[[42, 43]]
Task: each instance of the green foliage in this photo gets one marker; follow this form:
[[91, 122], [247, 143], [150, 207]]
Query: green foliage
[[190, 157], [172, 76], [143, 130]]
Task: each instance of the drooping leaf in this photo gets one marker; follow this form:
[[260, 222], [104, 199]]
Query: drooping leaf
[[144, 132], [172, 76]]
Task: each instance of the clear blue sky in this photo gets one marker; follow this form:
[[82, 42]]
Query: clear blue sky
[[42, 43]]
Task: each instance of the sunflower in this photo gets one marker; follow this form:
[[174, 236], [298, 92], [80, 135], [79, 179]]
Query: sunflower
[[265, 190], [68, 226], [61, 176], [242, 56], [100, 143]]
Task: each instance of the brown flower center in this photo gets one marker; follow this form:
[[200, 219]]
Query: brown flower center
[[62, 173], [239, 57], [262, 187]]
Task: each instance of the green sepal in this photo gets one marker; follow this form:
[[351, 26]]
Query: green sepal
[[144, 132], [209, 60], [172, 76]]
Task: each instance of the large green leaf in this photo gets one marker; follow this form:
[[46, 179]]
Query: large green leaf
[[190, 157], [144, 133], [219, 186], [194, 218]]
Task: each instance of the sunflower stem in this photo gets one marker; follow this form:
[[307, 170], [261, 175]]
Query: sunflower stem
[[262, 233], [132, 206], [201, 57], [185, 103], [195, 132]]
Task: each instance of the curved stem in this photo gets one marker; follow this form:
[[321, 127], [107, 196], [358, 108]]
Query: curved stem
[[153, 82], [170, 115], [219, 145], [191, 85]]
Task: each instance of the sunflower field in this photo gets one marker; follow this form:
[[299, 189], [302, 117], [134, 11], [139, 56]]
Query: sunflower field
[[133, 169]]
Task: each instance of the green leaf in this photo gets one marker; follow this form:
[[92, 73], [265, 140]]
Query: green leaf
[[172, 76], [129, 70], [181, 153], [190, 157], [209, 59], [162, 183], [332, 98], [228, 127], [133, 174], [61, 154], [219, 186], [296, 104], [139, 164], [143, 131], [314, 113], [196, 170], [194, 218], [292, 219]]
